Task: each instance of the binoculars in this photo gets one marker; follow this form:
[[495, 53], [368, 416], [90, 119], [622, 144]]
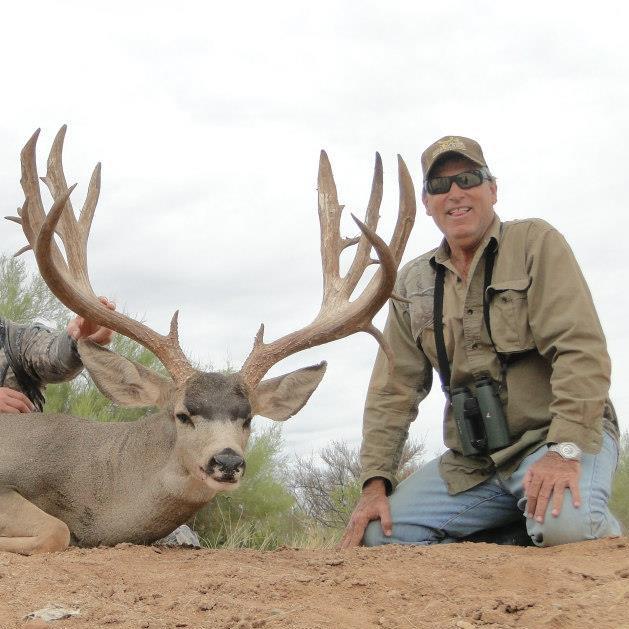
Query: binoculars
[[480, 418]]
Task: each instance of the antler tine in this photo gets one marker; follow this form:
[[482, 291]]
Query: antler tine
[[73, 236], [330, 221], [362, 259], [338, 316], [32, 213], [406, 213], [70, 282], [403, 225]]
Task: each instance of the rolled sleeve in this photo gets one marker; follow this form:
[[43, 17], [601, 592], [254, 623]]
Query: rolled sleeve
[[568, 333], [49, 356]]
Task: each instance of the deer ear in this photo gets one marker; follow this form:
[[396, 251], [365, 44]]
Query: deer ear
[[281, 397], [124, 381]]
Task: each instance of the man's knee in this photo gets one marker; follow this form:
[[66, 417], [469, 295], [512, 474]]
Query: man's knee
[[373, 534], [410, 534], [572, 525]]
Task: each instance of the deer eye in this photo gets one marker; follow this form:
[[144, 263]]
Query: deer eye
[[184, 418]]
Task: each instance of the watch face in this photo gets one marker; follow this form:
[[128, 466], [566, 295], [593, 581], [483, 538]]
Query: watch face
[[569, 451]]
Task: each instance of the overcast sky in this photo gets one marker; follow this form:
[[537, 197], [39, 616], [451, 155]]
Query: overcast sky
[[209, 117]]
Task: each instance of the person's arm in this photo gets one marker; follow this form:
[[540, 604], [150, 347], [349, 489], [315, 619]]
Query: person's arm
[[52, 357], [391, 406], [568, 333]]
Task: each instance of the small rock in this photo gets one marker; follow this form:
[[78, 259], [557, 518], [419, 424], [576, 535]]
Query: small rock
[[206, 607], [52, 612], [182, 536], [335, 562]]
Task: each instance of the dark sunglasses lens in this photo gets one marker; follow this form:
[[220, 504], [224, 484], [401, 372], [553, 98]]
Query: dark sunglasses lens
[[469, 180], [438, 185]]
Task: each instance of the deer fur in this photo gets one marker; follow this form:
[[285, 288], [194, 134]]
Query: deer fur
[[72, 480]]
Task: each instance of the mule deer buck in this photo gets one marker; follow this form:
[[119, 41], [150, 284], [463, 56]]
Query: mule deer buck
[[69, 480]]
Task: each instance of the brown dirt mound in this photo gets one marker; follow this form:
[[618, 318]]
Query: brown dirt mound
[[455, 586]]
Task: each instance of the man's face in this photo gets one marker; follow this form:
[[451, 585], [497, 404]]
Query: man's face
[[463, 216]]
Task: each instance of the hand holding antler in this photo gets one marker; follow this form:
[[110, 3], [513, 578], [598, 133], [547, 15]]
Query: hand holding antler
[[81, 328]]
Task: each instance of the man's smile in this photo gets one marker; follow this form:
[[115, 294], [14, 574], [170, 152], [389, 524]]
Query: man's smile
[[458, 211]]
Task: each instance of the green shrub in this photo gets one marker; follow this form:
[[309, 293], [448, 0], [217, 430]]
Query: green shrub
[[261, 512], [619, 503]]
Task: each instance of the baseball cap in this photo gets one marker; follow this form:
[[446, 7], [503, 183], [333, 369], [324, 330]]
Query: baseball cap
[[452, 144]]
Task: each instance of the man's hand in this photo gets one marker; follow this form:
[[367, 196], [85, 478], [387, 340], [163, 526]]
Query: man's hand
[[80, 328], [550, 476], [14, 402], [373, 505]]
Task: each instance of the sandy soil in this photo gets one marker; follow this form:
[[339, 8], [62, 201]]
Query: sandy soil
[[459, 585]]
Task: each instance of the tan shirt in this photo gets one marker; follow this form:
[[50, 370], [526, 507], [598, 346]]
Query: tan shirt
[[542, 318]]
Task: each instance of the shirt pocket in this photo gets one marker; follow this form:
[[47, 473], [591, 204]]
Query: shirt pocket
[[509, 316], [421, 310]]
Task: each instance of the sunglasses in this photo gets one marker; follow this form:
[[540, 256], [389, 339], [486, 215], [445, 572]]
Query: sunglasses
[[468, 179]]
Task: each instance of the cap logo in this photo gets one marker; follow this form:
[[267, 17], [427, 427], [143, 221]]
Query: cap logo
[[449, 144]]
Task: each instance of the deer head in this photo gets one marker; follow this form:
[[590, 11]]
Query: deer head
[[211, 412]]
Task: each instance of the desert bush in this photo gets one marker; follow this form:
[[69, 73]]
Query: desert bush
[[327, 490], [619, 503], [25, 298]]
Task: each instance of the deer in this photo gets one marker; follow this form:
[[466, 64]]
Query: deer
[[68, 480]]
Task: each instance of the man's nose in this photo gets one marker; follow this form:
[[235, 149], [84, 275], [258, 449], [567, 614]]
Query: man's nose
[[455, 192]]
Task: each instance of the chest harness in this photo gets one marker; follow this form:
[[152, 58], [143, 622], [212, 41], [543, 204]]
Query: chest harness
[[479, 415]]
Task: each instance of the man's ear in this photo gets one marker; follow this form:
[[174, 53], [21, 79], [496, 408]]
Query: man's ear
[[280, 398], [124, 381], [493, 186]]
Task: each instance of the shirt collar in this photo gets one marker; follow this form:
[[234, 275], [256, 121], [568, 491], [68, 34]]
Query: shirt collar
[[492, 238]]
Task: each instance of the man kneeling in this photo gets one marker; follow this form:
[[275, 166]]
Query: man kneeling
[[503, 313]]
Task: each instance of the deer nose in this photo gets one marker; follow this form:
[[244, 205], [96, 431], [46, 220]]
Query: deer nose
[[228, 461]]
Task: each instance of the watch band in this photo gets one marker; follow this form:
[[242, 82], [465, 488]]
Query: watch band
[[567, 450]]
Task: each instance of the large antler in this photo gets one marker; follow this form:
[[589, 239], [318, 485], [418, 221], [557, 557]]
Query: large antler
[[338, 316], [69, 281]]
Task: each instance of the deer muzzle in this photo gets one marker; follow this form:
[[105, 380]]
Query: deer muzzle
[[226, 466]]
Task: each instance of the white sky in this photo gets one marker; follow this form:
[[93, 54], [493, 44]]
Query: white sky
[[209, 117]]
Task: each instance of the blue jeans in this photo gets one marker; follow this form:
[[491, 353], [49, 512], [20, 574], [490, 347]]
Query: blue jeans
[[424, 513]]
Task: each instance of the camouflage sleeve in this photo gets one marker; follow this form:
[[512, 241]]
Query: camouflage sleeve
[[48, 356]]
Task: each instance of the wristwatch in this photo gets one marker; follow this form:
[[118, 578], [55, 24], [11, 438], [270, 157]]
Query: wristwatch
[[567, 450]]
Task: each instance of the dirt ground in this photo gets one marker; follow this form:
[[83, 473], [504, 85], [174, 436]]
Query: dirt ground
[[457, 585]]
